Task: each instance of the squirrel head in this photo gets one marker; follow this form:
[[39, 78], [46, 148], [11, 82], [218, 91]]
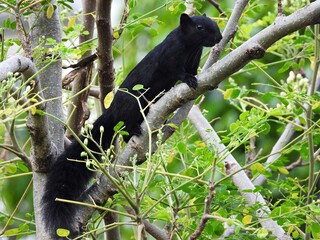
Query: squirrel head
[[199, 30]]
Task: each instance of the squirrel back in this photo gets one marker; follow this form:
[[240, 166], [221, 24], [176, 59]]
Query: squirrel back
[[176, 58]]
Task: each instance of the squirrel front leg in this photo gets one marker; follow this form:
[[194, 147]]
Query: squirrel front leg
[[190, 80]]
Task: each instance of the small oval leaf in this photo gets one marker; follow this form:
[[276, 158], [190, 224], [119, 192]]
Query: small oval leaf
[[72, 21], [63, 232], [283, 170], [50, 11], [108, 100], [247, 219], [137, 87]]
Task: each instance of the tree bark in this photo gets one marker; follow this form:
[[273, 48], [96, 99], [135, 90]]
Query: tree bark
[[105, 40], [50, 79]]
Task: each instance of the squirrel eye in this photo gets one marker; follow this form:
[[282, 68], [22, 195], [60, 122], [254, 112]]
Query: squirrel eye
[[199, 27]]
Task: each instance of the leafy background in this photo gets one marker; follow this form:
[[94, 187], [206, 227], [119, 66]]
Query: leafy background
[[254, 103]]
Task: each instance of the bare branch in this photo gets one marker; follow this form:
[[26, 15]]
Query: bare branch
[[228, 33], [204, 218], [280, 9], [217, 6], [78, 109], [38, 125], [104, 51], [124, 18]]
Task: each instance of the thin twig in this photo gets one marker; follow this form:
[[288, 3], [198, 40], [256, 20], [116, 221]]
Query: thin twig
[[206, 213], [280, 9], [217, 6]]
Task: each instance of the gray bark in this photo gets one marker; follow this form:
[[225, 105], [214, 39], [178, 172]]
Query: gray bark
[[50, 79]]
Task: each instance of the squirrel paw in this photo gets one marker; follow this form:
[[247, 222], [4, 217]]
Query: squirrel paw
[[191, 81]]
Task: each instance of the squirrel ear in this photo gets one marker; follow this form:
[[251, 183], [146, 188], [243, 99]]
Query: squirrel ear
[[204, 15], [185, 20]]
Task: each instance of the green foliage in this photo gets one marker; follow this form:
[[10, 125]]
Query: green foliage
[[170, 189]]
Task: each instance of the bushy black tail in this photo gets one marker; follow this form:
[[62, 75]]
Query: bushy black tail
[[68, 179]]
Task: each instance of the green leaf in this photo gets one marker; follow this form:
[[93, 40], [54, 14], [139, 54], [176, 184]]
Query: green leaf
[[315, 229], [266, 128], [108, 100], [262, 233], [258, 167], [227, 94], [119, 125], [11, 168], [50, 11], [63, 232], [24, 227], [172, 125], [72, 21], [11, 232], [315, 208], [247, 219], [123, 133], [283, 170], [22, 167], [13, 25], [182, 147], [40, 112], [116, 35], [244, 116], [233, 126], [137, 87], [285, 67], [164, 215]]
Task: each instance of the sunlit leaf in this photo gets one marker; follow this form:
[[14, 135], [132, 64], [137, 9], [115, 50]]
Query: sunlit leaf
[[63, 232], [137, 87], [108, 100], [50, 11], [283, 170], [72, 21], [262, 233], [247, 219]]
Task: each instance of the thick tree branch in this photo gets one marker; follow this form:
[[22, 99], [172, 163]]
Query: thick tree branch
[[38, 125], [44, 27]]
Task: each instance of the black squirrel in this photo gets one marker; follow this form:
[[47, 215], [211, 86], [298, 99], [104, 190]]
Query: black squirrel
[[176, 58]]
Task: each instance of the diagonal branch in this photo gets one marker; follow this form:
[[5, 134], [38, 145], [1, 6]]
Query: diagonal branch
[[38, 125]]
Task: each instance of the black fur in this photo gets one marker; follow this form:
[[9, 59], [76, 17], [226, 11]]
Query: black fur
[[176, 58]]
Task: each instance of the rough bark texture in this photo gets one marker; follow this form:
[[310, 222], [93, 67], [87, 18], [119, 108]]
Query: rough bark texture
[[50, 79], [105, 40]]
